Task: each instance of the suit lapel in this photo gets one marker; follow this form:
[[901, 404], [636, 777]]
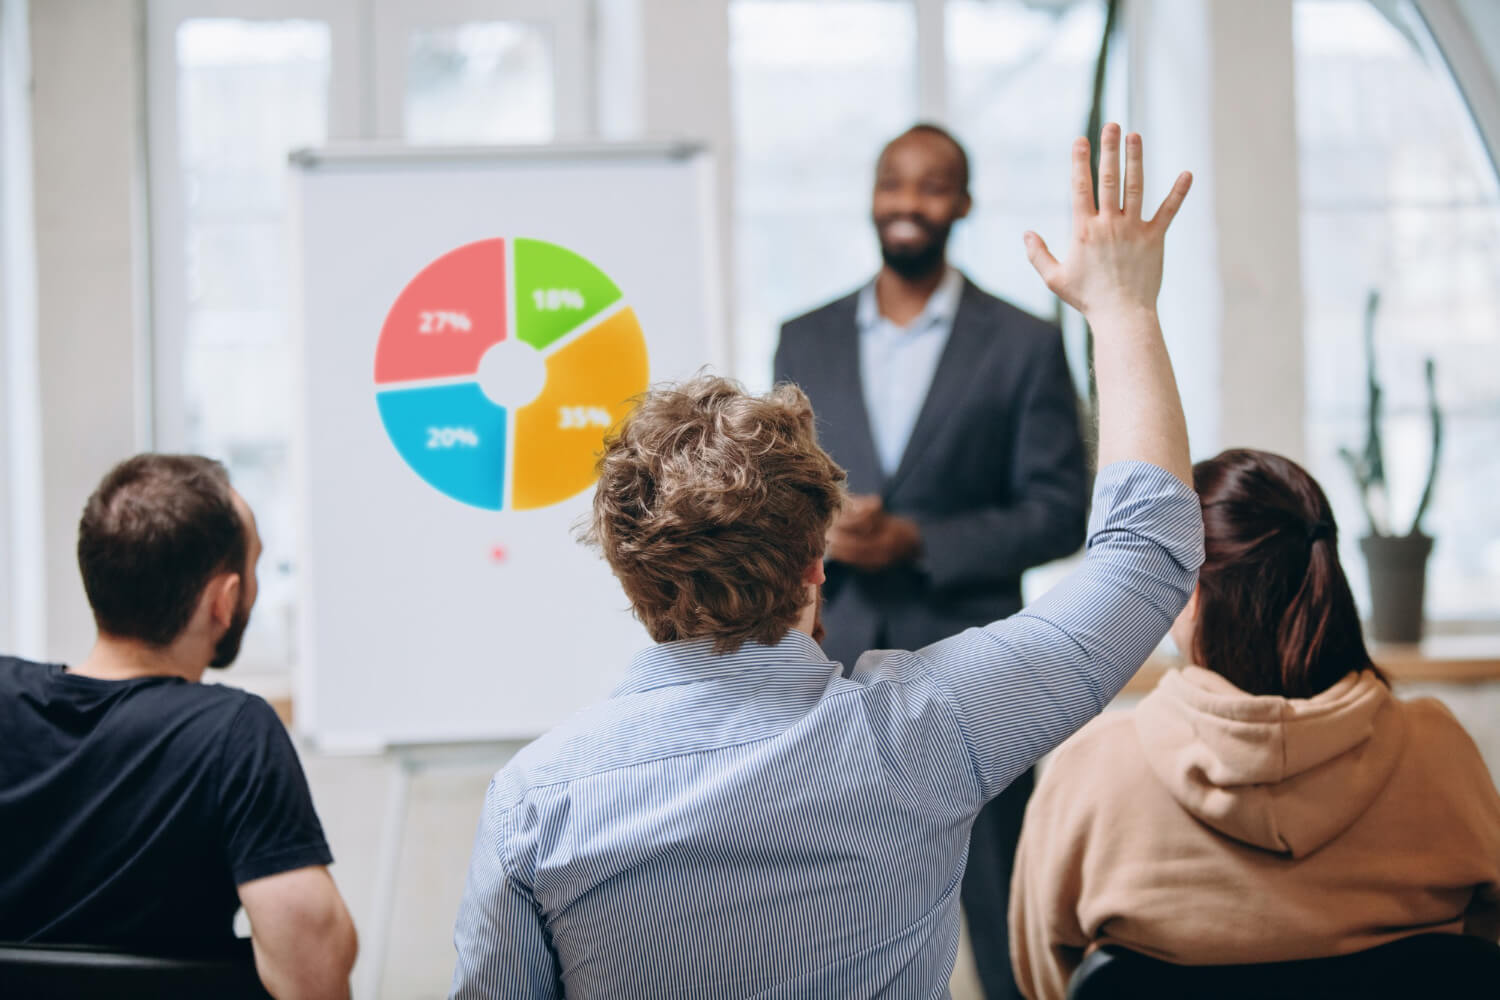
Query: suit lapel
[[961, 355], [844, 420]]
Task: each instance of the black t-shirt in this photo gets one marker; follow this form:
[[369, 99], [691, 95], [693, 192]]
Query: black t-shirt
[[130, 810]]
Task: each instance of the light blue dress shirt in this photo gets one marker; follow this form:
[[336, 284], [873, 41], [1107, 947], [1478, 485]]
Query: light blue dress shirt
[[758, 825], [896, 363]]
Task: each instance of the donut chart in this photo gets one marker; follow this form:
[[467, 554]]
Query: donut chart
[[500, 368]]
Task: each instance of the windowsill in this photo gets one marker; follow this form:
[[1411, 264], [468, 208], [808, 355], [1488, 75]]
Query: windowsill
[[1447, 657]]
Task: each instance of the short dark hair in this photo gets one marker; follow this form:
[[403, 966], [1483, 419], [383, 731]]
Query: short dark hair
[[927, 128], [153, 534], [1275, 613]]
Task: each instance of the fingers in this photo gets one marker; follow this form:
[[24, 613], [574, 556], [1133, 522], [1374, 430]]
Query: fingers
[[1041, 258], [1172, 202], [1135, 179], [1083, 185], [858, 513], [848, 550], [1109, 169]]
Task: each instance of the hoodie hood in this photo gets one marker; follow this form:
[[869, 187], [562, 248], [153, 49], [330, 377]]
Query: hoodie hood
[[1283, 774]]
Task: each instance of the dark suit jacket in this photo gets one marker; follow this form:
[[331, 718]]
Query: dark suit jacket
[[993, 474]]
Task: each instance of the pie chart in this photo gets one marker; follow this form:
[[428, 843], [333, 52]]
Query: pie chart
[[500, 368]]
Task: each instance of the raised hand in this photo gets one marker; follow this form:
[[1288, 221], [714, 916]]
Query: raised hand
[[1115, 260]]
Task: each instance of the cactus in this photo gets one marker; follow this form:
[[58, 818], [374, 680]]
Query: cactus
[[1368, 467], [1436, 416]]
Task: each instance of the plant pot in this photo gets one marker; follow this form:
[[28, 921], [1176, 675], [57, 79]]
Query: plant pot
[[1398, 580]]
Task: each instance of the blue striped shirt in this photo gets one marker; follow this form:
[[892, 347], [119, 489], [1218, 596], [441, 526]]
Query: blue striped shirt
[[758, 825]]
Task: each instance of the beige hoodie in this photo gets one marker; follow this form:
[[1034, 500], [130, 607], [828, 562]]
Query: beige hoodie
[[1211, 827]]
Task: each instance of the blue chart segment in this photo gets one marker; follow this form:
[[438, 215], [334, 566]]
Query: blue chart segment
[[452, 436]]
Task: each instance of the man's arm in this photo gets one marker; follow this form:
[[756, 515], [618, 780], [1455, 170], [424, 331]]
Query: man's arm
[[302, 934], [503, 948], [1048, 480]]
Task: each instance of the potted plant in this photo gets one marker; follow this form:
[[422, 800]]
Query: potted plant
[[1397, 563]]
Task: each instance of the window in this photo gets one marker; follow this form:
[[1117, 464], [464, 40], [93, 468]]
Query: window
[[234, 88], [248, 92], [1020, 80], [1398, 196], [818, 89], [481, 82]]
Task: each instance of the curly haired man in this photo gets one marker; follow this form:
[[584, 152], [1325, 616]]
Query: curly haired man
[[740, 819]]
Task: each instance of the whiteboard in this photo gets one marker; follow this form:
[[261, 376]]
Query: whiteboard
[[426, 619]]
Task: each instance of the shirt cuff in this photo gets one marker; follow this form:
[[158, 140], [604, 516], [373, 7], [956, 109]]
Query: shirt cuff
[[1148, 501]]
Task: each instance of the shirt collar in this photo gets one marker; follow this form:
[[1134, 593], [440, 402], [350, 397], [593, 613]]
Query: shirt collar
[[692, 661], [941, 306]]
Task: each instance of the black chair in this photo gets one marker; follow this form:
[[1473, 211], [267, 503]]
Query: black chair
[[83, 973], [1426, 965]]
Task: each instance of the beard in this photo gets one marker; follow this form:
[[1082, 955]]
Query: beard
[[228, 646], [921, 261]]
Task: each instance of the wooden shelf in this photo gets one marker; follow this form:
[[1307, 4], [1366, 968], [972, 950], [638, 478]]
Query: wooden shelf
[[1446, 659]]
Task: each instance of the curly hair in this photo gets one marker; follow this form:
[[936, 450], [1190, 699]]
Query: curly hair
[[710, 507]]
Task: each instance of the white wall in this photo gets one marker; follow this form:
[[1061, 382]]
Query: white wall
[[1258, 214], [1176, 122], [88, 170], [1214, 93], [684, 66]]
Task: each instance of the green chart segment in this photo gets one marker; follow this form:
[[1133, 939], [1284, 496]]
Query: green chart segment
[[556, 291]]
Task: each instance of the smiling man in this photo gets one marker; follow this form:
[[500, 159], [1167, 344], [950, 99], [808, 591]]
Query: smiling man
[[954, 415]]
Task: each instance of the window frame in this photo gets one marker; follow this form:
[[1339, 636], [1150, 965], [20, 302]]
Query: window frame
[[566, 21], [168, 207], [1461, 78], [369, 41], [366, 100]]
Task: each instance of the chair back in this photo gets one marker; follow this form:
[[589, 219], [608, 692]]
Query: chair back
[[84, 973], [1425, 965]]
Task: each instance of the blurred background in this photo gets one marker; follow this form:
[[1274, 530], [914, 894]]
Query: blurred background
[[1340, 147]]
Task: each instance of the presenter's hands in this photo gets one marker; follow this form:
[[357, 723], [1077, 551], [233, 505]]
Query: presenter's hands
[[868, 537], [1114, 262]]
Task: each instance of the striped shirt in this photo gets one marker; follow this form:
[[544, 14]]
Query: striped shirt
[[758, 825]]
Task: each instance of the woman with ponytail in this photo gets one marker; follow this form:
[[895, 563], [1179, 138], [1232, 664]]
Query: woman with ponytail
[[1271, 801]]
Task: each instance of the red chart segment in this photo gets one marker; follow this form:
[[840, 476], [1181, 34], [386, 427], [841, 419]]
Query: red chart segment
[[446, 317]]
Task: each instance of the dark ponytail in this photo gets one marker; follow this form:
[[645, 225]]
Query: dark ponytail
[[1275, 613]]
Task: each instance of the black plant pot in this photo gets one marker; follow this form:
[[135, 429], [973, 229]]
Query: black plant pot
[[1398, 581]]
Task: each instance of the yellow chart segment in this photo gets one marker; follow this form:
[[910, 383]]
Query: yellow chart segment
[[591, 385]]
